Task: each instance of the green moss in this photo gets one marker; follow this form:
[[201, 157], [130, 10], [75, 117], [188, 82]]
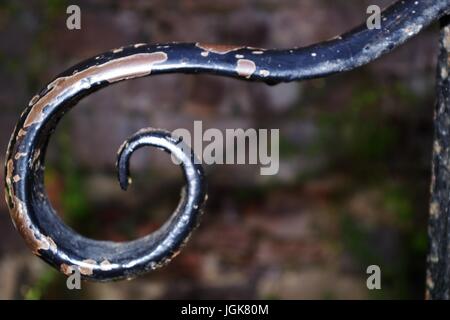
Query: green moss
[[73, 199], [55, 8], [355, 239], [419, 241], [401, 92], [11, 7], [38, 290], [398, 201], [287, 148], [244, 195], [359, 134]]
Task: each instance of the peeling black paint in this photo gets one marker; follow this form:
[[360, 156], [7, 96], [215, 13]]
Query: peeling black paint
[[63, 248]]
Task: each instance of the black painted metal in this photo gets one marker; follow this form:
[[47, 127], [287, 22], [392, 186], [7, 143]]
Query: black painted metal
[[438, 273], [59, 245]]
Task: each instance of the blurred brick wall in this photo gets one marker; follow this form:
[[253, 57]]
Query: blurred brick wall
[[279, 238]]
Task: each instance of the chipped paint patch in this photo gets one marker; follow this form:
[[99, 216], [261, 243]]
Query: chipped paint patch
[[20, 218], [175, 254], [245, 68], [264, 73], [19, 155], [52, 245], [413, 29], [54, 83], [434, 259], [66, 269], [33, 100], [434, 209], [124, 68], [218, 48], [87, 267], [22, 222], [446, 40], [9, 172], [21, 133], [437, 148], [36, 155], [430, 283], [444, 73], [105, 265], [123, 146]]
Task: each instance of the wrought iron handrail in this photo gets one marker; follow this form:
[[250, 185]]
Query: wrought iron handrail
[[65, 249]]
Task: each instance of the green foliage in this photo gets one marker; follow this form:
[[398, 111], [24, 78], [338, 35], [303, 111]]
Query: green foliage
[[55, 8], [360, 133], [355, 239], [398, 202], [38, 290], [73, 199]]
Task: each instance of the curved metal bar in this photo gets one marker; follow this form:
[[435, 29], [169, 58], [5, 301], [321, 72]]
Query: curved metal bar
[[63, 248]]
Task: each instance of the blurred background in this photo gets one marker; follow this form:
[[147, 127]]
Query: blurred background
[[355, 152]]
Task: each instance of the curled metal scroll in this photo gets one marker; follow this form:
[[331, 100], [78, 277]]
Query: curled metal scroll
[[60, 246]]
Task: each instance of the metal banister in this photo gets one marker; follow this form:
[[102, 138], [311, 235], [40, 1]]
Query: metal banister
[[47, 235]]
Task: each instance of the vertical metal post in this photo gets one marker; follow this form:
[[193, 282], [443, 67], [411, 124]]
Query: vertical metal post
[[438, 273]]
